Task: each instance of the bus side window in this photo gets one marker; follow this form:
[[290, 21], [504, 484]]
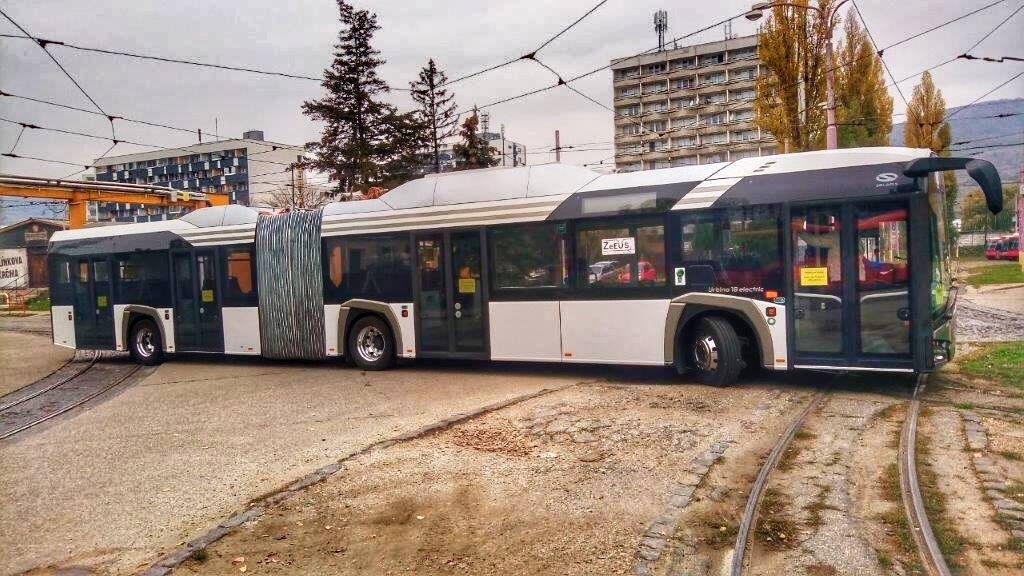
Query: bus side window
[[240, 286]]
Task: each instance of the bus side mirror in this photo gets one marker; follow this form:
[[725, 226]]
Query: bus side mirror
[[982, 171], [985, 174]]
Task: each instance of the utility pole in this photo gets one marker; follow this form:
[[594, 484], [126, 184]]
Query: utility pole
[[293, 185], [558, 148]]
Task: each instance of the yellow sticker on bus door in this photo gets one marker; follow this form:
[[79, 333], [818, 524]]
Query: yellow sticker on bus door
[[101, 301], [207, 296], [467, 285], [814, 276]]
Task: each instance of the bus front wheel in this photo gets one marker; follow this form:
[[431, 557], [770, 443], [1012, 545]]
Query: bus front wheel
[[716, 353], [370, 344], [145, 344]]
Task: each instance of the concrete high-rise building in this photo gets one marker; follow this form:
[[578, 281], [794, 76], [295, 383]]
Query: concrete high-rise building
[[688, 105], [249, 170]]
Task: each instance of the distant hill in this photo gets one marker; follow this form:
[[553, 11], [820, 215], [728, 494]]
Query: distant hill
[[982, 125]]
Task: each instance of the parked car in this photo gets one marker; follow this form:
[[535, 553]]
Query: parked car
[[603, 269]]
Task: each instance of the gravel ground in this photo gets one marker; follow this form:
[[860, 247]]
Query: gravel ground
[[561, 484], [172, 456], [967, 507], [991, 314], [25, 358], [814, 526]]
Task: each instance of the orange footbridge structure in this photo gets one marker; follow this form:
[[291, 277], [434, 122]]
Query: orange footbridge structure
[[77, 193]]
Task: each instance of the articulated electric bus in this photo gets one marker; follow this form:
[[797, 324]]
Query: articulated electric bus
[[832, 260]]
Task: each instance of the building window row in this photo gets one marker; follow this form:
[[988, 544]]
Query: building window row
[[689, 82], [689, 141], [687, 63], [687, 122], [190, 159]]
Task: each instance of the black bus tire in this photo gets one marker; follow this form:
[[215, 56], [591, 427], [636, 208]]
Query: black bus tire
[[145, 344], [715, 352], [370, 344]]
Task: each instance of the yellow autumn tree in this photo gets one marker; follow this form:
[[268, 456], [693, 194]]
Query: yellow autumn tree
[[790, 97], [863, 103], [926, 125]]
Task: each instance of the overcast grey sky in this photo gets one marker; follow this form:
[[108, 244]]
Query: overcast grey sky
[[460, 35]]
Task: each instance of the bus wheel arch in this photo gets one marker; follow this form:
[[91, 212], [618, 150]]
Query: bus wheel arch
[[745, 352], [133, 314]]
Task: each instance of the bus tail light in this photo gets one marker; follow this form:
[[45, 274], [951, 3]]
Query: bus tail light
[[771, 294]]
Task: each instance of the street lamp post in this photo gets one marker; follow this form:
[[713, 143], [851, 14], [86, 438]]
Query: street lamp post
[[831, 134]]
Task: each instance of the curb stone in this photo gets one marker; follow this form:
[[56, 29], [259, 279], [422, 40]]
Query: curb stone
[[180, 554], [994, 483], [655, 538]]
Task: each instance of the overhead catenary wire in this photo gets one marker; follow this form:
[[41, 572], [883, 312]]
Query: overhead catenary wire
[[979, 98], [169, 60], [530, 55], [42, 46]]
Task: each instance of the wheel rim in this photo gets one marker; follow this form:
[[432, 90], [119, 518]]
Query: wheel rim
[[370, 344], [705, 353], [145, 341]]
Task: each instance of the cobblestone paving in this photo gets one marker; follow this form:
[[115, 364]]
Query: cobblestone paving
[[993, 479]]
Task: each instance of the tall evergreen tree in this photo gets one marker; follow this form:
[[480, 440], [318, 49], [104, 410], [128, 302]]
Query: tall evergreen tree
[[354, 144], [864, 106], [473, 152], [437, 108]]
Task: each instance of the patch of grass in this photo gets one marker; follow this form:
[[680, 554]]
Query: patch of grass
[[950, 540], [1015, 544], [199, 555], [1015, 491], [964, 405], [815, 508], [821, 570], [1000, 273], [891, 483], [890, 411], [40, 304], [802, 434], [1002, 363], [775, 529], [1010, 455], [718, 529], [884, 560]]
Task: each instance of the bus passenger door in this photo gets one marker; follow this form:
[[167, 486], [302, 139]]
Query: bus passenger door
[[197, 314], [851, 281], [93, 306], [817, 283], [451, 304]]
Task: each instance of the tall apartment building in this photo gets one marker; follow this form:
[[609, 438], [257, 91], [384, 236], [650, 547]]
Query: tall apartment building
[[688, 105], [248, 170]]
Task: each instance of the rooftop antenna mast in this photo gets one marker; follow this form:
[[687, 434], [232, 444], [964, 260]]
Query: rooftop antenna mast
[[661, 26]]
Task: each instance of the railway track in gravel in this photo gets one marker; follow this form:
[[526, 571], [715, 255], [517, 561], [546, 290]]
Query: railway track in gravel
[[749, 520], [69, 386], [913, 504], [927, 545]]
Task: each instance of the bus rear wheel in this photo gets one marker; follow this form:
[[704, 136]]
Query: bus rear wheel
[[716, 353], [370, 344], [144, 343]]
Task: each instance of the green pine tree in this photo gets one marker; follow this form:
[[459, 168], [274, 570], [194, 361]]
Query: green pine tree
[[473, 152], [437, 108], [355, 146]]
